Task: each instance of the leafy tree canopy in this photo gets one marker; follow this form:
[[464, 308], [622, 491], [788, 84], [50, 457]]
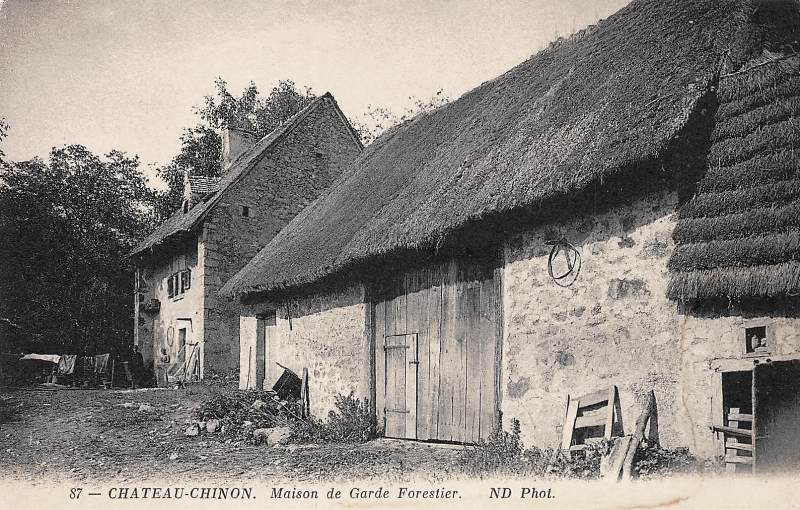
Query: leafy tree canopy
[[201, 145], [67, 224]]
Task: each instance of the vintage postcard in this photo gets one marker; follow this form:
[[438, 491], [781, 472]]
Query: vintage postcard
[[369, 254]]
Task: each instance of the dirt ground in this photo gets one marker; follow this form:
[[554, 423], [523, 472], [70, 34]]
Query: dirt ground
[[58, 435]]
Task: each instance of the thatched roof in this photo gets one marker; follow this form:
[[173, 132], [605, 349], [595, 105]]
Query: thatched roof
[[183, 222], [607, 99], [739, 237]]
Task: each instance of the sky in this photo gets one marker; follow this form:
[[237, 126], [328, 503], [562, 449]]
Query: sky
[[126, 74]]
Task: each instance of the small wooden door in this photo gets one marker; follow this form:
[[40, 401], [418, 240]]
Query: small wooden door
[[401, 362], [776, 416]]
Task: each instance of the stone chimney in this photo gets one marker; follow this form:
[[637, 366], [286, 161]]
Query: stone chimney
[[235, 140]]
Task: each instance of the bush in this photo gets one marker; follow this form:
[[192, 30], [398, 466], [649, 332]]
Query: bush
[[242, 411], [503, 454], [351, 422], [652, 461]]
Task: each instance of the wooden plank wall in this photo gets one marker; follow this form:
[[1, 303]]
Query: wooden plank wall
[[453, 308]]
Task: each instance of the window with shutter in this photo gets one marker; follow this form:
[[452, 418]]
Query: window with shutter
[[186, 280]]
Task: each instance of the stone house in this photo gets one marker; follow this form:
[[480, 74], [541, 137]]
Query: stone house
[[620, 209], [222, 224]]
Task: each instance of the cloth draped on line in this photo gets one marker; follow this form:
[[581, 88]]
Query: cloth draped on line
[[101, 362], [66, 365], [52, 358]]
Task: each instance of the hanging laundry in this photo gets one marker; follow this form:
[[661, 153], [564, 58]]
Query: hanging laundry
[[52, 358], [66, 365], [101, 362]]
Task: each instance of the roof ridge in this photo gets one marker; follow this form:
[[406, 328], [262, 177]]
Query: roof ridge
[[238, 169]]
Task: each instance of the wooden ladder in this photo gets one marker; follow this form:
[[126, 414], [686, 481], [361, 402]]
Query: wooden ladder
[[590, 412], [737, 450]]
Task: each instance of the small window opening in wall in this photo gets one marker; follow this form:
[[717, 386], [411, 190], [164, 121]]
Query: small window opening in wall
[[245, 211], [755, 340], [185, 206]]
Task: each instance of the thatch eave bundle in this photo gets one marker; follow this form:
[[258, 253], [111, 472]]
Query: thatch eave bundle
[[738, 238]]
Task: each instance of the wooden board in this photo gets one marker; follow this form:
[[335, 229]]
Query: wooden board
[[417, 321], [472, 352], [486, 346], [396, 395], [569, 423], [458, 369], [447, 357], [434, 352]]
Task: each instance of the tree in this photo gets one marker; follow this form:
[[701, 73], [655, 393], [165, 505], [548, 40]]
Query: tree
[[377, 119], [3, 135], [67, 224], [201, 145]]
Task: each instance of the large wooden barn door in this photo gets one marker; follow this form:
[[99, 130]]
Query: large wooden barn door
[[776, 416], [449, 314]]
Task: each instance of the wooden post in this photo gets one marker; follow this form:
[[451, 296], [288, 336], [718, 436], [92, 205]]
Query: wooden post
[[249, 366], [113, 369], [638, 436], [304, 402]]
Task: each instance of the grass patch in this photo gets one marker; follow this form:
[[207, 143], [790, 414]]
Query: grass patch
[[8, 409], [504, 455]]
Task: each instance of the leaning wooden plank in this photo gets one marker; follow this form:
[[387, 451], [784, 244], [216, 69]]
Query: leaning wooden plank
[[569, 423], [739, 417], [611, 466], [638, 436], [652, 433]]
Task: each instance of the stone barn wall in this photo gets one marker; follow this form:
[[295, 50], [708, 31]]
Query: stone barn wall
[[614, 325], [287, 178], [325, 333]]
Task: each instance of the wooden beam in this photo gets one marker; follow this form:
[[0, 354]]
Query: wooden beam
[[733, 430], [739, 446], [738, 459], [638, 436]]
